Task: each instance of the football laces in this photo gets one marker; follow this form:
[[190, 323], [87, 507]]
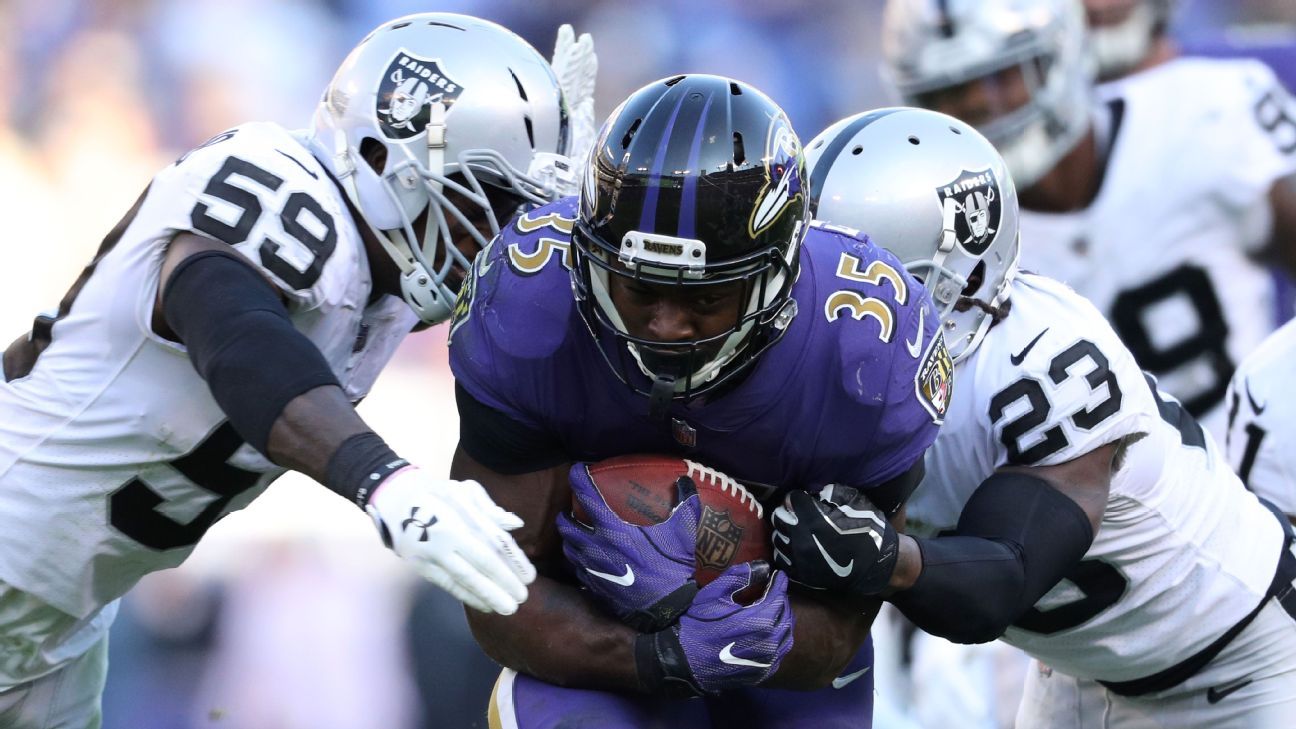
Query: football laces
[[727, 485]]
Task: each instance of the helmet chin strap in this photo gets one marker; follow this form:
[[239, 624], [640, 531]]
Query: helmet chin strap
[[659, 400]]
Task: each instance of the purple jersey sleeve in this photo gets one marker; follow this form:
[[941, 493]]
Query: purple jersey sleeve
[[895, 374], [514, 314]]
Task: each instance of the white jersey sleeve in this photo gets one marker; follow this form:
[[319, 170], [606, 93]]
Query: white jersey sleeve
[[1262, 420], [1183, 552]]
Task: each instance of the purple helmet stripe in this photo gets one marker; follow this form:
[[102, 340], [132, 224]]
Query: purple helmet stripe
[[648, 217], [688, 197]]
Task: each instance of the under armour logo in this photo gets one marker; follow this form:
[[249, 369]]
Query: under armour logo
[[413, 520]]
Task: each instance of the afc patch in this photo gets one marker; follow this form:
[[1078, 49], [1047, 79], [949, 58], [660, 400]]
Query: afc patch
[[717, 538], [409, 86], [934, 380], [973, 203]]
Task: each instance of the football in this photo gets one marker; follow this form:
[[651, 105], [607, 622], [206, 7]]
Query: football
[[641, 489]]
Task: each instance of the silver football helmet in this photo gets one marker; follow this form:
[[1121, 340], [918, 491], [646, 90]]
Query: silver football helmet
[[467, 113], [936, 48], [936, 193], [1119, 47]]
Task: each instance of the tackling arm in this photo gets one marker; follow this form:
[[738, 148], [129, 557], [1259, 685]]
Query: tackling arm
[[282, 397], [1019, 534]]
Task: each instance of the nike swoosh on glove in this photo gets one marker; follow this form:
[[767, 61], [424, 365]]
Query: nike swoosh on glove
[[837, 540], [455, 537], [576, 66], [721, 644], [642, 574]]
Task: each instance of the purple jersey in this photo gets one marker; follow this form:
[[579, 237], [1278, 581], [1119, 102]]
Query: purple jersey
[[853, 392]]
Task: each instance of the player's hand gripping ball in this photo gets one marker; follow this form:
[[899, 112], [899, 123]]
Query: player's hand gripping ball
[[647, 531]]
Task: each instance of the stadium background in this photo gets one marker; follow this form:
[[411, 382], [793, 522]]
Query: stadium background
[[290, 614]]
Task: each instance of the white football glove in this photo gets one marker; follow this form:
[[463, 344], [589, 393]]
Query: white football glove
[[575, 64], [455, 537]]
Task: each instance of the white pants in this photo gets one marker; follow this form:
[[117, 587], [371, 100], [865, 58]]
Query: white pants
[[53, 666], [1250, 685], [68, 698]]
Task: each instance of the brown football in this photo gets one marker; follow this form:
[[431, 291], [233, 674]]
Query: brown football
[[641, 489]]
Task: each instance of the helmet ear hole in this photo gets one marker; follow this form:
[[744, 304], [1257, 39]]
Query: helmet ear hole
[[974, 280], [375, 153]]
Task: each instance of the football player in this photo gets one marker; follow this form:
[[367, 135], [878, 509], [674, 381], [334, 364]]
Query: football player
[[1129, 36], [229, 323], [709, 319], [1259, 421], [1068, 507], [1151, 202]]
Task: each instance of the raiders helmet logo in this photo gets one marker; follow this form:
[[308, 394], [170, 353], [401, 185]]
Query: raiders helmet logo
[[971, 204], [408, 88]]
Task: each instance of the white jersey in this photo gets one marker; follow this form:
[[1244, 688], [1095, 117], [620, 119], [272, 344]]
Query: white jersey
[[1163, 249], [114, 457], [1262, 420], [1183, 552]]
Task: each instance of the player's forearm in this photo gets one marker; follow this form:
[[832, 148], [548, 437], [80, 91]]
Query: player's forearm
[[558, 637], [827, 636], [311, 427]]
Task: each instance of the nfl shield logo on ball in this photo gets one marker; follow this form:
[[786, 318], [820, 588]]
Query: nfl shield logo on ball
[[717, 539]]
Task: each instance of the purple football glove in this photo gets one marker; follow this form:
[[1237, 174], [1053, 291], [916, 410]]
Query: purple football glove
[[720, 644], [643, 574]]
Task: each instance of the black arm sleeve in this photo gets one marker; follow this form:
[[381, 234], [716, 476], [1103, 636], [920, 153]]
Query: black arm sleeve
[[501, 443], [241, 341], [1016, 538]]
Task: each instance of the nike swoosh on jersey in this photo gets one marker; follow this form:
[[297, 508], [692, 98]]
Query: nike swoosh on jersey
[[1216, 694], [1251, 398], [625, 580], [915, 347], [727, 656], [1020, 357], [840, 570], [843, 681]]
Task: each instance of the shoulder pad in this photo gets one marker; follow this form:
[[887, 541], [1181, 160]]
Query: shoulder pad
[[1055, 379], [518, 300], [256, 188]]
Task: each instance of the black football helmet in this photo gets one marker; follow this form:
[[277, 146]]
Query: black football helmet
[[695, 180]]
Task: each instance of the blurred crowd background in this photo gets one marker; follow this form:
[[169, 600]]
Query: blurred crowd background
[[290, 615]]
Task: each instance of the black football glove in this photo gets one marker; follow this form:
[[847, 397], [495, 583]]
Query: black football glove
[[837, 540]]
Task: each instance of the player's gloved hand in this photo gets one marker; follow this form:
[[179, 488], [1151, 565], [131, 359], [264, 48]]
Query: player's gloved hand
[[455, 537], [720, 644], [643, 574], [836, 541], [576, 66]]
